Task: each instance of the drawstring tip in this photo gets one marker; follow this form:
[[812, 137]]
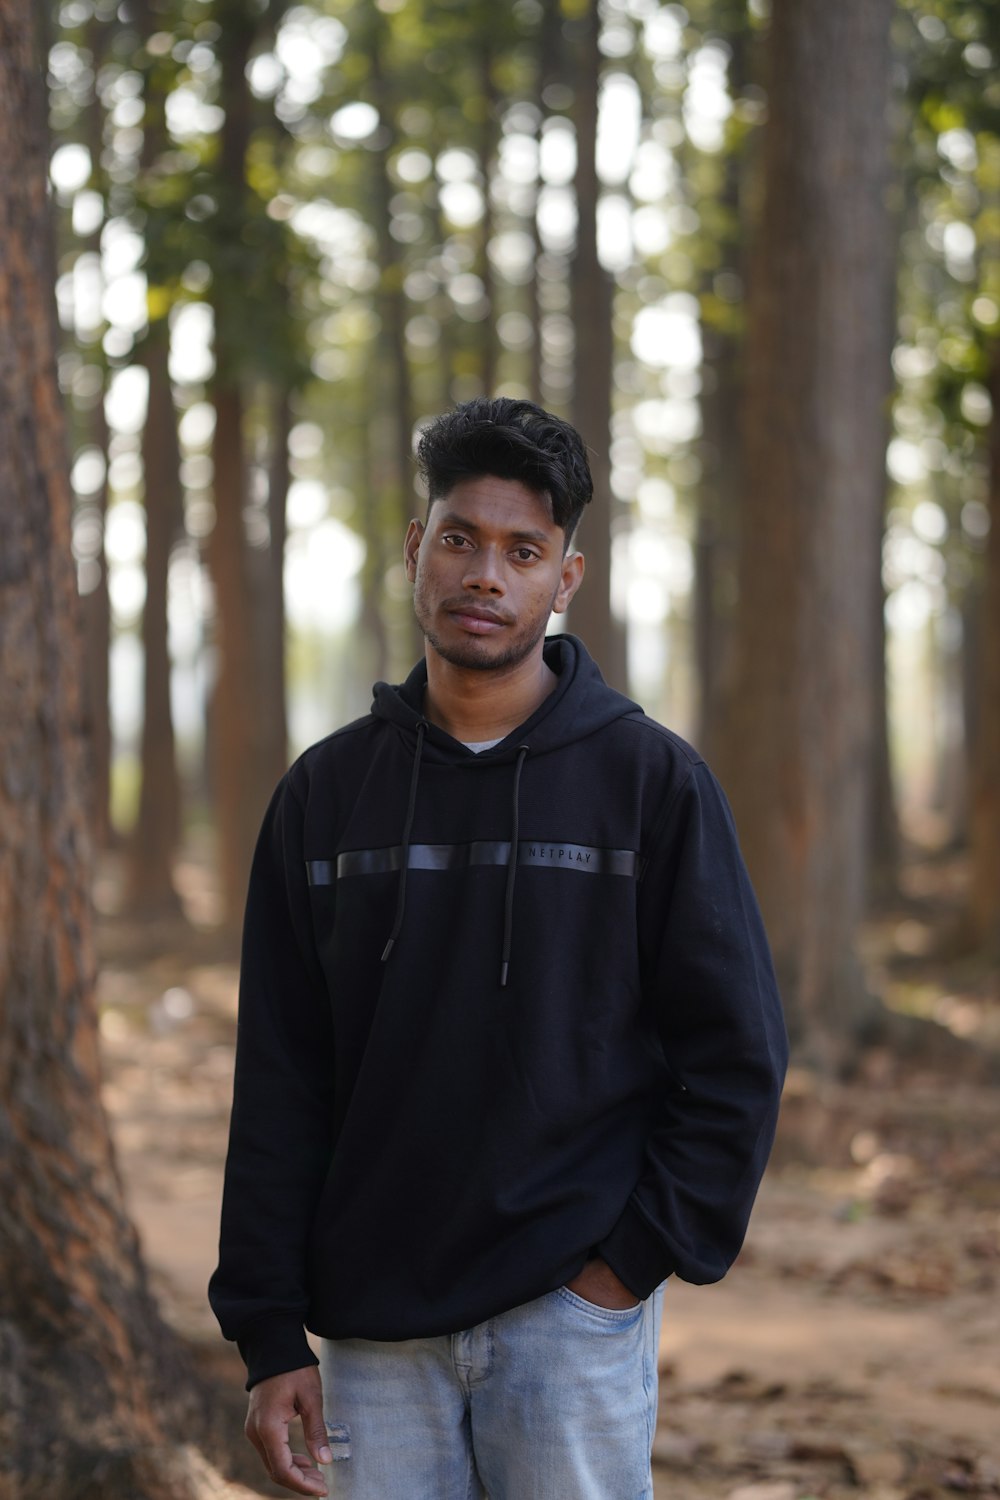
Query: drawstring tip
[[503, 974], [388, 949]]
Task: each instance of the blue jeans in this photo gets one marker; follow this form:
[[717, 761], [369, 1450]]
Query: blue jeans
[[555, 1400]]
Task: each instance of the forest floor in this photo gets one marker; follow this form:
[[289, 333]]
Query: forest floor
[[853, 1351]]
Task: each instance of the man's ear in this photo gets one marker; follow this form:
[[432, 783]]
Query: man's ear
[[570, 580], [411, 546]]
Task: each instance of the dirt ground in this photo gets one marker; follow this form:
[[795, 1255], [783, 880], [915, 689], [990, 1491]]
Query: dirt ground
[[853, 1351]]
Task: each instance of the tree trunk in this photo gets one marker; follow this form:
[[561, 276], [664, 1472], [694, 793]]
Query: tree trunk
[[232, 710], [716, 549], [152, 844], [490, 104], [89, 1377], [884, 848], [237, 795], [392, 420], [798, 762], [884, 841], [96, 601], [374, 640], [150, 890], [984, 890], [269, 596], [545, 66], [96, 612], [717, 536], [592, 618]]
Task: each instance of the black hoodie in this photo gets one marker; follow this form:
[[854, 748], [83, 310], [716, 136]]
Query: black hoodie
[[460, 1073]]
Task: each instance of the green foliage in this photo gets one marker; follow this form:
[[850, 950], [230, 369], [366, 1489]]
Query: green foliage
[[949, 268]]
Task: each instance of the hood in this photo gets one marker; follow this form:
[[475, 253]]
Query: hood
[[581, 703]]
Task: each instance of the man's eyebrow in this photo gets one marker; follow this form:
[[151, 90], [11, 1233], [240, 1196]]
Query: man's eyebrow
[[455, 518]]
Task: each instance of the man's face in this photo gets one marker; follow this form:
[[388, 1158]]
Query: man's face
[[488, 569]]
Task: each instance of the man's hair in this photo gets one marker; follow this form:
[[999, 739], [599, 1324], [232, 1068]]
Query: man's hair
[[508, 439]]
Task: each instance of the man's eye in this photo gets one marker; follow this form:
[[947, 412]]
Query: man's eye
[[453, 540], [525, 554]]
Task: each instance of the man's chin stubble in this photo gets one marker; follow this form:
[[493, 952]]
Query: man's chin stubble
[[474, 660]]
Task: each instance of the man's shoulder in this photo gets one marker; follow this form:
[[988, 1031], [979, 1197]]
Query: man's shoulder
[[648, 736], [337, 748]]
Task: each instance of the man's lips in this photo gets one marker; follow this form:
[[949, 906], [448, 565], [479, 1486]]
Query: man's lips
[[478, 621]]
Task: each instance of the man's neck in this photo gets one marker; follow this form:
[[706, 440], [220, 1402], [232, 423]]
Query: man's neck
[[473, 706]]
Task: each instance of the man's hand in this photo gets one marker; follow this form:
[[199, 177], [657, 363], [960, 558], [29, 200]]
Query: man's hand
[[276, 1402], [597, 1283]]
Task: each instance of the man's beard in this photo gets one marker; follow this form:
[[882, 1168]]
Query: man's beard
[[474, 654]]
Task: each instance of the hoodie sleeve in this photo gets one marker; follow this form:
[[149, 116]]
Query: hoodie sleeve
[[280, 1131], [710, 980]]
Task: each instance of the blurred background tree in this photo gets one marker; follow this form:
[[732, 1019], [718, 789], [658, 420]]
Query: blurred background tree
[[93, 1381], [796, 752]]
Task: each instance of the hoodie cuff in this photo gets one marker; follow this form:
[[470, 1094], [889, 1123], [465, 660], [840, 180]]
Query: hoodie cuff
[[636, 1253], [272, 1346]]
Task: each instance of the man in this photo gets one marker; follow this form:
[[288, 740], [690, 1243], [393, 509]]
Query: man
[[510, 1047]]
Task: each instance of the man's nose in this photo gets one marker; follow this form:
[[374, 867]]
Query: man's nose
[[485, 572]]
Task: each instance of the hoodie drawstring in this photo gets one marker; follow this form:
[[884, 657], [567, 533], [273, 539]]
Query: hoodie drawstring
[[407, 827], [508, 904]]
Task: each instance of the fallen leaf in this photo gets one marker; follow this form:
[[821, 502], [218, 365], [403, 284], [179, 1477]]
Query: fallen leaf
[[780, 1489], [877, 1466]]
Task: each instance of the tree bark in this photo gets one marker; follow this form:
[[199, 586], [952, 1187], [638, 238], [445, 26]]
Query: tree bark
[[984, 889], [89, 1377], [592, 297], [798, 762]]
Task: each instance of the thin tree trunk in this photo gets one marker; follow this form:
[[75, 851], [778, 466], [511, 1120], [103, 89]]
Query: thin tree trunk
[[446, 326], [150, 890], [392, 423], [548, 51], [716, 550], [487, 150], [884, 848], [233, 701], [270, 596], [236, 793], [884, 833], [97, 602], [592, 618], [798, 762], [90, 1376], [152, 844], [373, 626], [717, 535], [984, 889], [96, 611]]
